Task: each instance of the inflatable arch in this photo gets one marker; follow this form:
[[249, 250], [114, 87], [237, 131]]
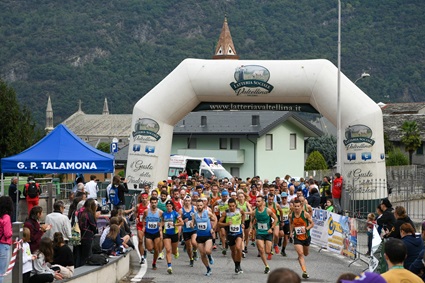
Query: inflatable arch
[[255, 85]]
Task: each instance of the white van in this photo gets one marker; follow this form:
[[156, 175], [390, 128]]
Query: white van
[[206, 166]]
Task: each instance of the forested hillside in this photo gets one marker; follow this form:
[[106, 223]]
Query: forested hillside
[[89, 50]]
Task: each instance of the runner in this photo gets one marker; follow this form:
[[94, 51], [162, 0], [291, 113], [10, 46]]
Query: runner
[[233, 220], [163, 199], [246, 207], [189, 232], [284, 227], [153, 230], [222, 206], [140, 209], [171, 220], [205, 222], [262, 221], [301, 223], [271, 204]]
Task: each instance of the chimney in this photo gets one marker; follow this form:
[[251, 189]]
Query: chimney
[[255, 120], [203, 121]]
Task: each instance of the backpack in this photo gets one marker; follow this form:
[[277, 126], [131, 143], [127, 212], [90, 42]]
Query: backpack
[[32, 190], [97, 259], [113, 195]]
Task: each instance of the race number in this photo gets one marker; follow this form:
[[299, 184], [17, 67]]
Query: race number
[[188, 224], [285, 217], [300, 230], [262, 226], [141, 218], [234, 228], [169, 225], [202, 226], [152, 225]]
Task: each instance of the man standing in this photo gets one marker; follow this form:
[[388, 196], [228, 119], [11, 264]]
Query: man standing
[[15, 194], [301, 223], [336, 192], [233, 220], [264, 225], [205, 222], [32, 193], [152, 229], [92, 188], [395, 253], [58, 222]]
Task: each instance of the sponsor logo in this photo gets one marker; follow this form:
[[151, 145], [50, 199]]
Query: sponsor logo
[[251, 80], [136, 147], [146, 129], [58, 165], [351, 156], [358, 137], [150, 149]]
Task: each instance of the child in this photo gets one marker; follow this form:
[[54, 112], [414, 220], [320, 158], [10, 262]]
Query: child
[[44, 255], [62, 256], [329, 205], [27, 257], [113, 240], [371, 222]]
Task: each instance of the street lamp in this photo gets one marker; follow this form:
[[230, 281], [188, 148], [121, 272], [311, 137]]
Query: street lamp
[[363, 75]]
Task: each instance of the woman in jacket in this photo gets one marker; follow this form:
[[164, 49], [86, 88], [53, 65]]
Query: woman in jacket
[[88, 228], [36, 230], [414, 245], [6, 210]]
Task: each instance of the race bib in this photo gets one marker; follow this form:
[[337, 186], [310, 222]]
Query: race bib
[[285, 217], [234, 228], [188, 224], [141, 218], [300, 230], [262, 226], [247, 217], [169, 225], [152, 225], [202, 226]]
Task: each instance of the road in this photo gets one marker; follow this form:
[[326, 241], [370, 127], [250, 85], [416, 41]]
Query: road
[[322, 266]]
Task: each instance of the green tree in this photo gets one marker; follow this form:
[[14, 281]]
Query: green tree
[[396, 158], [388, 145], [17, 130], [326, 145], [411, 138], [104, 146], [315, 161]]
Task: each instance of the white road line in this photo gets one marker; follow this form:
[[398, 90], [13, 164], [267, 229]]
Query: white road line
[[143, 268]]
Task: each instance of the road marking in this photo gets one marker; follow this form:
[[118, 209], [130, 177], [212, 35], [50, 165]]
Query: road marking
[[143, 267]]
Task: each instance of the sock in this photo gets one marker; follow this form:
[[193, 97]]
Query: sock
[[208, 268], [283, 248], [169, 264], [237, 264], [154, 262], [279, 242], [209, 257]]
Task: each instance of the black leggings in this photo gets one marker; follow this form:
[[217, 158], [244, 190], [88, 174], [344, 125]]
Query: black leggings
[[42, 278]]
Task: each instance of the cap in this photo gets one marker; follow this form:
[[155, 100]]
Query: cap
[[229, 183], [367, 277], [224, 193], [386, 202], [144, 193], [169, 202], [195, 194], [204, 199], [284, 195], [233, 194], [187, 196], [253, 186]]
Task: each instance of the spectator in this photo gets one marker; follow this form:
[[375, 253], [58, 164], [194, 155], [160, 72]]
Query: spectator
[[15, 194], [379, 213], [395, 253], [346, 276], [336, 192], [113, 220], [387, 220], [325, 190], [367, 277], [414, 245], [91, 188], [42, 272], [32, 193], [370, 224], [62, 256], [6, 210], [401, 218], [27, 257], [88, 227], [58, 221], [113, 240], [122, 189], [314, 198], [283, 275], [330, 205], [36, 230], [418, 266]]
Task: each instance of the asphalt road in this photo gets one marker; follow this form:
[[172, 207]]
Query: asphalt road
[[322, 266]]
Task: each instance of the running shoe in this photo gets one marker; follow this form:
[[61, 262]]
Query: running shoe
[[176, 256], [170, 270], [243, 255], [253, 244], [245, 249], [276, 249], [161, 255], [153, 266], [236, 270], [211, 259], [214, 247], [142, 260], [267, 270], [283, 253], [305, 275], [224, 251], [191, 263], [240, 271], [269, 256], [209, 272]]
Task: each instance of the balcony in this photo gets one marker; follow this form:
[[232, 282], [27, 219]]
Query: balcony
[[228, 156]]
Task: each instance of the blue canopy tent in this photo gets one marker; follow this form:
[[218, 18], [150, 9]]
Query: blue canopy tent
[[61, 151]]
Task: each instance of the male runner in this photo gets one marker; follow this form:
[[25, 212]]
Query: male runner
[[140, 209], [262, 221], [189, 232], [273, 206], [284, 227], [205, 222], [242, 204], [233, 220], [222, 206], [153, 230], [301, 223]]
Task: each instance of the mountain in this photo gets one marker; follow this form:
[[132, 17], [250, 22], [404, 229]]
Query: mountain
[[89, 50]]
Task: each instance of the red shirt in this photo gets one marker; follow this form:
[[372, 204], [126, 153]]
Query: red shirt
[[177, 204], [337, 188]]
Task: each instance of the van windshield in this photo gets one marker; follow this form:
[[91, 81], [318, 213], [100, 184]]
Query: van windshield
[[222, 173]]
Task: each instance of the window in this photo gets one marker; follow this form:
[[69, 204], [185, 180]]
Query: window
[[235, 171], [223, 143], [191, 143], [235, 143], [293, 141], [269, 142], [420, 150]]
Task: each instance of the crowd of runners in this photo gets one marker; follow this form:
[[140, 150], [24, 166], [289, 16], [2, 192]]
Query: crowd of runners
[[205, 215]]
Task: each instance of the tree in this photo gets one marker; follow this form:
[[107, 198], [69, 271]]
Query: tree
[[326, 145], [17, 130], [411, 138], [388, 145], [103, 146], [396, 158], [315, 161]]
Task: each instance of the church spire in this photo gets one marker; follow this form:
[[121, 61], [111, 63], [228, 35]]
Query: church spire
[[49, 116], [105, 107], [79, 106], [225, 48]]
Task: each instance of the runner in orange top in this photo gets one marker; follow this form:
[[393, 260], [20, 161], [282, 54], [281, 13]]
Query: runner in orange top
[[301, 223], [140, 209]]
